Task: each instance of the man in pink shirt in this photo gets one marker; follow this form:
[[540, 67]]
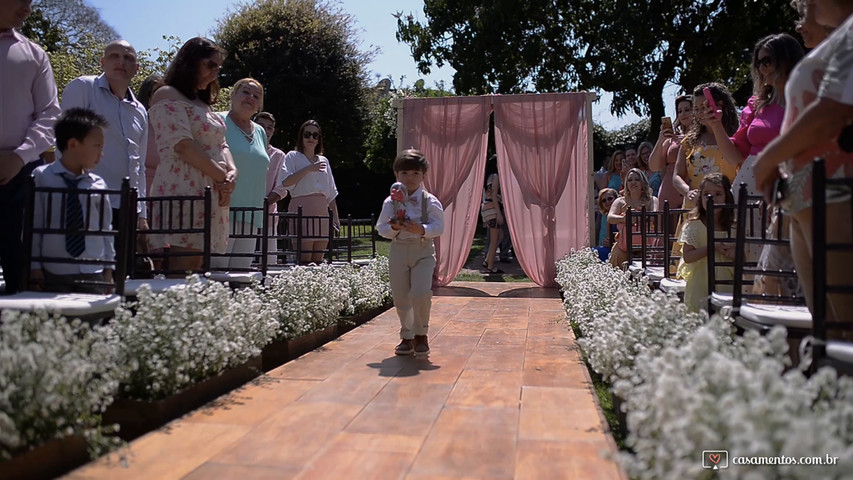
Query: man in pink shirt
[[28, 110], [275, 175]]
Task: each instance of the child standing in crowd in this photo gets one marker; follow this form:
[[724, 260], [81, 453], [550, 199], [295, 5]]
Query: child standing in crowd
[[607, 235], [693, 267], [80, 139], [412, 257]]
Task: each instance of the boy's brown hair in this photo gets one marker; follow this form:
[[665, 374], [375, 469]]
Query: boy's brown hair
[[411, 159]]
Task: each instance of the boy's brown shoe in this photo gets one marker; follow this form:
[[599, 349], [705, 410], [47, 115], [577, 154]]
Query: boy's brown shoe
[[421, 345], [404, 348]]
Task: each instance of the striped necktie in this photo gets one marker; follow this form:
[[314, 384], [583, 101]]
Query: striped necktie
[[75, 243]]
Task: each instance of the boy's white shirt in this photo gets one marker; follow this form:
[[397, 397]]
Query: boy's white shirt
[[96, 247], [435, 216]]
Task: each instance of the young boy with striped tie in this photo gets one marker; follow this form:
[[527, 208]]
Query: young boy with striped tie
[[80, 138]]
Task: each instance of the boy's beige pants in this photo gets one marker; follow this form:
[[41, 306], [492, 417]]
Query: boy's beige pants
[[411, 264]]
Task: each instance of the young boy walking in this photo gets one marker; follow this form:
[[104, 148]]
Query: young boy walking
[[412, 258], [80, 138]]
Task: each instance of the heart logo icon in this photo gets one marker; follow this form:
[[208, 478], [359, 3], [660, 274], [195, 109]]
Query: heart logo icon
[[714, 457]]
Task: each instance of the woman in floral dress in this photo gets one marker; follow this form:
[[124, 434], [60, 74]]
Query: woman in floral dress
[[190, 139]]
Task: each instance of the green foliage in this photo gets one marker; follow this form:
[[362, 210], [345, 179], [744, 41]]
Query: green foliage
[[381, 141], [40, 29], [305, 54], [605, 142], [632, 48]]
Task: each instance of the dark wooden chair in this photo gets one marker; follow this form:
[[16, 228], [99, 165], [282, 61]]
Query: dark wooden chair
[[649, 258], [669, 283], [828, 351], [41, 207], [719, 287], [172, 214]]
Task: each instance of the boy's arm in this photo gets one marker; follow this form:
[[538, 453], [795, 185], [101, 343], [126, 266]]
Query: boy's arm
[[382, 225], [435, 214]]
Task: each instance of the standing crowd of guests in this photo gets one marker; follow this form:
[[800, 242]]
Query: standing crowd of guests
[[167, 140], [800, 107]]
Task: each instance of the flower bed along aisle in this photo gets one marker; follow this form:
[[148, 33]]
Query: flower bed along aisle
[[137, 417], [688, 383], [160, 356], [279, 352], [49, 460]]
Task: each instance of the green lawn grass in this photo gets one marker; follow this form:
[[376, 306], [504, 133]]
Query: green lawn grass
[[383, 248], [605, 399]]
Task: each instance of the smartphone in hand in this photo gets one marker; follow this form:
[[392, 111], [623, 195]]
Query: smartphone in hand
[[666, 124], [711, 103]]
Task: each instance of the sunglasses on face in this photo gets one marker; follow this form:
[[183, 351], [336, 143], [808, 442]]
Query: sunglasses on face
[[314, 135], [609, 199], [764, 62]]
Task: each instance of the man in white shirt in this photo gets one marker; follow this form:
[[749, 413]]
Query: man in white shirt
[[126, 136]]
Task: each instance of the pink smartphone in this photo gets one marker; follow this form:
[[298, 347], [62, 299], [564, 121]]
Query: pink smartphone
[[711, 103]]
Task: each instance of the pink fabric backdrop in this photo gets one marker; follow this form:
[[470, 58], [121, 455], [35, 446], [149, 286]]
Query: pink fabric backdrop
[[453, 134], [542, 146]]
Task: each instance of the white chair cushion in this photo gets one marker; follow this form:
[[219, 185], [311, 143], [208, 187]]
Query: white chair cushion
[[636, 267], [655, 274], [65, 304], [841, 351], [719, 299], [132, 285], [236, 277], [787, 315], [672, 285]]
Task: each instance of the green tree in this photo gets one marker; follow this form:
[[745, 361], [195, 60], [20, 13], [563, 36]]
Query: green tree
[[40, 29], [305, 53], [629, 47], [79, 22]]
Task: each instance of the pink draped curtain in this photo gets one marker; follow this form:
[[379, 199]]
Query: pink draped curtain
[[542, 146], [453, 134]]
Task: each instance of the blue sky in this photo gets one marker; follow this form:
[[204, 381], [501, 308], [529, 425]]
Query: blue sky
[[143, 24]]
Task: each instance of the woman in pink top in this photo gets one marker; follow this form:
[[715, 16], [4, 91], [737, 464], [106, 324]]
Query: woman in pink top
[[773, 58], [665, 151]]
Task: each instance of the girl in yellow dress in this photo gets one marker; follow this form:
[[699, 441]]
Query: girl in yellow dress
[[693, 267]]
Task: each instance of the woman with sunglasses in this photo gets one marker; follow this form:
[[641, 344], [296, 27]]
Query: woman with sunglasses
[[308, 177], [773, 58], [190, 140]]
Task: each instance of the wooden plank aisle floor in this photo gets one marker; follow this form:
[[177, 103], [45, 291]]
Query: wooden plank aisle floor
[[502, 395]]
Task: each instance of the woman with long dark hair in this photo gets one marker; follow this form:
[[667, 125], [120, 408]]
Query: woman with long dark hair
[[190, 139]]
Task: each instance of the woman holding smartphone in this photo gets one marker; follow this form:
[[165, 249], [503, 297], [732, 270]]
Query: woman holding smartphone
[[665, 151], [773, 58]]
